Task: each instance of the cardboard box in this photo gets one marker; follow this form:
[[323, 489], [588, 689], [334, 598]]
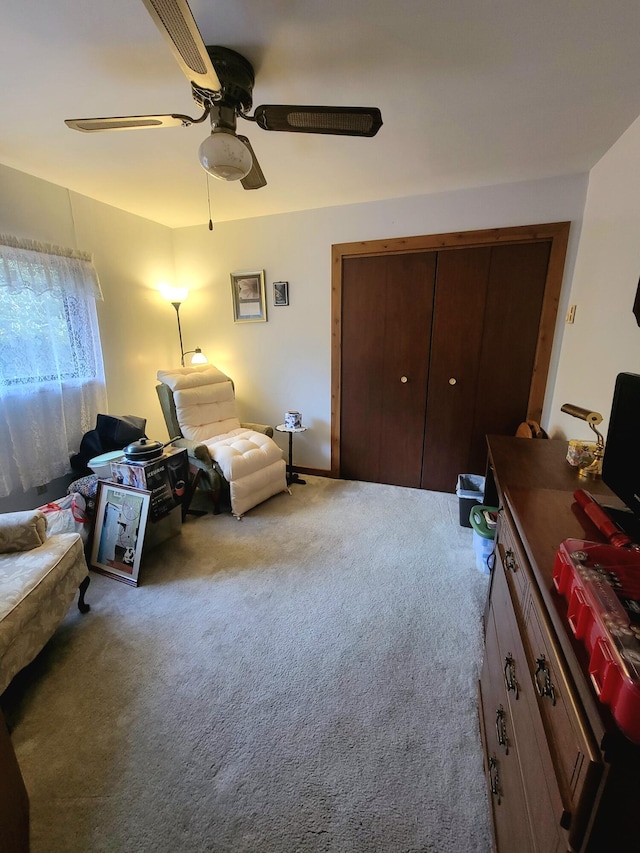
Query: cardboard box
[[166, 528], [166, 478]]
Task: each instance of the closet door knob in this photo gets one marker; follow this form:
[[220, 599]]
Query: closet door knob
[[452, 381], [403, 379]]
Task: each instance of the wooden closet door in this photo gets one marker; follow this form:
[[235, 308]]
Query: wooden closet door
[[386, 336], [458, 330], [486, 322], [511, 327]]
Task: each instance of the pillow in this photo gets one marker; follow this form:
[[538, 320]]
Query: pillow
[[191, 377], [22, 531]]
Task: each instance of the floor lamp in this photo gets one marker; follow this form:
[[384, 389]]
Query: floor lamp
[[177, 295]]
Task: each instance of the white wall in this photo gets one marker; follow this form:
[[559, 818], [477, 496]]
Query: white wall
[[286, 362], [137, 327], [33, 209], [605, 338]]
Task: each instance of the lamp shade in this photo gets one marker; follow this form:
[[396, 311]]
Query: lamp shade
[[591, 417], [173, 294], [199, 357], [224, 156]]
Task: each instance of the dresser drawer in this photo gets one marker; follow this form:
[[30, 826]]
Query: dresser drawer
[[504, 780], [548, 814], [577, 761], [509, 554]]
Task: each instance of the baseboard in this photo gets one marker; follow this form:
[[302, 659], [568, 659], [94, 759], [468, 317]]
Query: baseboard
[[315, 472]]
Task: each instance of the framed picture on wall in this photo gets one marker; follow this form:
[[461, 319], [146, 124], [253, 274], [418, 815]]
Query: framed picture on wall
[[247, 290], [280, 292], [118, 536]]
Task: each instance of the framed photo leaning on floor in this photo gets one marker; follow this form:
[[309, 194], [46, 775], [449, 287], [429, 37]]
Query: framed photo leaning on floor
[[118, 535]]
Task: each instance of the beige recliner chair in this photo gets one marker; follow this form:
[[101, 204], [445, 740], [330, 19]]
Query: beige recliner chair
[[200, 402]]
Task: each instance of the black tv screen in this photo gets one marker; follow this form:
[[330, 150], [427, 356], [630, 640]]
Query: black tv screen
[[621, 463]]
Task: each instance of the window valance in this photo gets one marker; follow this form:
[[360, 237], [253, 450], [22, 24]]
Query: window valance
[[42, 267]]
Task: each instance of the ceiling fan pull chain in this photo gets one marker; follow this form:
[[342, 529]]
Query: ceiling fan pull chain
[[209, 203]]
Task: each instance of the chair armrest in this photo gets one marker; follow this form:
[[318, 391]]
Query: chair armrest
[[22, 531], [210, 474], [195, 450], [263, 428]]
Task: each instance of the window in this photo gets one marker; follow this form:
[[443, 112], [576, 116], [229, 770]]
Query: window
[[51, 371]]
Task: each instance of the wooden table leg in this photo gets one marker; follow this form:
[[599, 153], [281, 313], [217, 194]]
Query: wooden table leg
[[194, 476]]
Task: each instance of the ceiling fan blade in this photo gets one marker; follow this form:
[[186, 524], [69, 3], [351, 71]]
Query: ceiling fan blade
[[339, 121], [90, 125], [255, 179], [176, 22]]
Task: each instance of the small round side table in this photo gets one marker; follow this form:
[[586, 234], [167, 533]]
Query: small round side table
[[292, 476]]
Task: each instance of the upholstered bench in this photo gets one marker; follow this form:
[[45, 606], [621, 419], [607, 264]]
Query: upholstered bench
[[39, 576]]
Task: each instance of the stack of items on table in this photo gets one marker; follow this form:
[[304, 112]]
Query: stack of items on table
[[73, 513]]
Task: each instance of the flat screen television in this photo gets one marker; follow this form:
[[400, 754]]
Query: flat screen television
[[621, 462]]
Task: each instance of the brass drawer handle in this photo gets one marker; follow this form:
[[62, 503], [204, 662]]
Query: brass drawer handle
[[510, 680], [494, 777], [542, 678], [501, 729], [510, 560]]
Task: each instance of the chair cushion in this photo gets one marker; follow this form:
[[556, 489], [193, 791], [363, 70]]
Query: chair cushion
[[243, 452], [191, 377], [205, 401], [207, 411], [251, 490]]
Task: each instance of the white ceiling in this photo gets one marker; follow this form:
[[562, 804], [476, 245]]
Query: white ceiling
[[472, 92]]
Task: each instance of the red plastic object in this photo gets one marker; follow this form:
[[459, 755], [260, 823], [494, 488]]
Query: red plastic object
[[601, 584], [601, 520]]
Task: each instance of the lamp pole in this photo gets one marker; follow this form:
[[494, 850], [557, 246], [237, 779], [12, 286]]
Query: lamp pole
[[176, 305]]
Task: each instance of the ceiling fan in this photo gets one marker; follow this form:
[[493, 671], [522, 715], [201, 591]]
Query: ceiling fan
[[222, 85]]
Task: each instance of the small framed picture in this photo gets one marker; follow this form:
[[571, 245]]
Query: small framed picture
[[280, 292], [118, 536], [247, 290]]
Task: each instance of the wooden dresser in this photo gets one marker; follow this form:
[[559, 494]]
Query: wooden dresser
[[560, 774]]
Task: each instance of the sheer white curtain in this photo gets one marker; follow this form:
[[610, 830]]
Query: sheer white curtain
[[51, 371]]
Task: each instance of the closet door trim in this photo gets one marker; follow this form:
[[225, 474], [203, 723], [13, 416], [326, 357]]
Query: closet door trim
[[555, 232]]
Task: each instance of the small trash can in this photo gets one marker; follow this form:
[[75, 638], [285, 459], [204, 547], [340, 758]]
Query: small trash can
[[470, 493], [483, 520]]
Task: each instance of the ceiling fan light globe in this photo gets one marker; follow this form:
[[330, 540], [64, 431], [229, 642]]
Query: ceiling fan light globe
[[224, 156]]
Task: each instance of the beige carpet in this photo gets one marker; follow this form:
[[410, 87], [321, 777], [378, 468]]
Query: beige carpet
[[303, 680]]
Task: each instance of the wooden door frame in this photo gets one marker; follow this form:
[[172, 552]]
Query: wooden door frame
[[555, 232]]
